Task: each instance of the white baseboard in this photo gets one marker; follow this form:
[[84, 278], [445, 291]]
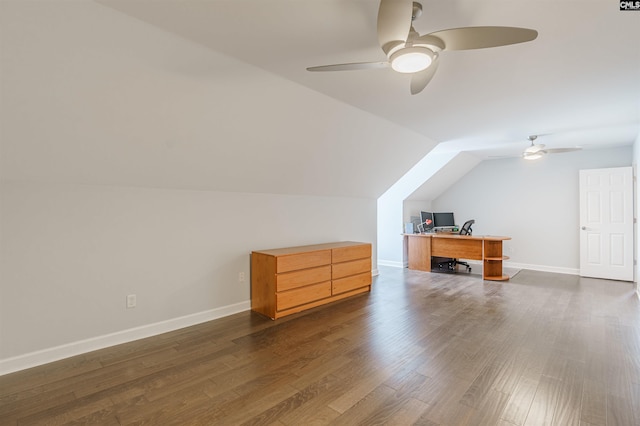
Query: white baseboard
[[393, 263], [543, 268], [33, 359]]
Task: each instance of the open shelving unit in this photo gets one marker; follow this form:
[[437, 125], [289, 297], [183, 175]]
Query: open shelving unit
[[492, 260]]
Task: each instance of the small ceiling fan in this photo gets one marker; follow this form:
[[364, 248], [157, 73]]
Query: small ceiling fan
[[536, 151], [409, 52]]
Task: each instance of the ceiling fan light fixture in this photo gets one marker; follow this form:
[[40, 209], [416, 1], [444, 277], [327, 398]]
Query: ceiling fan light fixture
[[532, 156], [411, 59], [533, 149]]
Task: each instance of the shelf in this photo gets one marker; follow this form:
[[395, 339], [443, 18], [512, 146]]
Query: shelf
[[495, 258]]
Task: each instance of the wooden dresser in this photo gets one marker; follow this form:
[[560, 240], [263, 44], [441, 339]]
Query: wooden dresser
[[289, 280]]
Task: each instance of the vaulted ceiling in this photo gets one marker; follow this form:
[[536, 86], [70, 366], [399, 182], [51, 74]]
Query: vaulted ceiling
[[575, 85]]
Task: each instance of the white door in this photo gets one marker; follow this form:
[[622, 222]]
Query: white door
[[606, 223]]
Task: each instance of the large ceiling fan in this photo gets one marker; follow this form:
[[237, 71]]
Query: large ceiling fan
[[409, 52], [535, 151]]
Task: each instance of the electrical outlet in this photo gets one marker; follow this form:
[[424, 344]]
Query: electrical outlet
[[241, 277], [131, 301]]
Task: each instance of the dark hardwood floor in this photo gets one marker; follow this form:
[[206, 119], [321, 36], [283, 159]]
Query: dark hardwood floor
[[429, 349]]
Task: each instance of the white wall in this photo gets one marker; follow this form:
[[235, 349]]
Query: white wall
[[133, 161], [536, 203], [71, 253]]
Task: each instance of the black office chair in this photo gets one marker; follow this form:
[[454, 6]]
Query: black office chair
[[466, 228], [451, 264]]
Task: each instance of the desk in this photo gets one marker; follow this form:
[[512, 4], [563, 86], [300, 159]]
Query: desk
[[488, 249]]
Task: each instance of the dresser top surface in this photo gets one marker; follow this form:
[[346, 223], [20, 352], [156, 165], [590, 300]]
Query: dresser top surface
[[313, 247]]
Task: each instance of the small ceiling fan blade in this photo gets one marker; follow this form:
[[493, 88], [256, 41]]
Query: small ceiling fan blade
[[560, 150], [420, 79], [394, 21], [351, 66], [468, 38]]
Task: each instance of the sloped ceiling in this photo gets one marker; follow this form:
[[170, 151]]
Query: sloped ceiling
[[576, 83], [92, 96]]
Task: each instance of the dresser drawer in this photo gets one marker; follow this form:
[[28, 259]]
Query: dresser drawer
[[292, 262], [345, 269], [294, 279], [345, 254], [351, 283], [302, 295]]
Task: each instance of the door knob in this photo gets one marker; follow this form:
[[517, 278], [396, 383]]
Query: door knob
[[584, 228]]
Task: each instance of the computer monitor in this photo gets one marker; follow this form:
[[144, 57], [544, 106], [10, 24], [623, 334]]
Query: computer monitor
[[443, 220], [426, 220]]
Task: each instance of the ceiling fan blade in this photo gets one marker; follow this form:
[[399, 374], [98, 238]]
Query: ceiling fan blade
[[394, 22], [420, 79], [480, 37], [560, 150], [351, 66]]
